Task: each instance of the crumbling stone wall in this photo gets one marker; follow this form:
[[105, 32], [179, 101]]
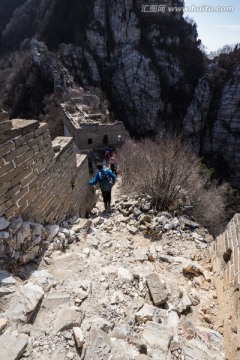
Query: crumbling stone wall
[[42, 180], [95, 135], [225, 258]]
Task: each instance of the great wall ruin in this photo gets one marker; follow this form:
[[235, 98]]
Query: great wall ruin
[[41, 180], [46, 182], [225, 255], [91, 130]]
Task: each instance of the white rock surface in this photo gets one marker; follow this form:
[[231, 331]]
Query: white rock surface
[[12, 347], [78, 336], [67, 318]]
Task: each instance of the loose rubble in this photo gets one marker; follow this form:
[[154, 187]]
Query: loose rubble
[[22, 241], [119, 285]]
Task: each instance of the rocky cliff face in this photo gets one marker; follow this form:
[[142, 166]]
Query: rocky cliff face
[[143, 61], [212, 121], [148, 63], [225, 139]]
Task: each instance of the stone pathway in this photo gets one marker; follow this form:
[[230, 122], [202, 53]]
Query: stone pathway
[[116, 293]]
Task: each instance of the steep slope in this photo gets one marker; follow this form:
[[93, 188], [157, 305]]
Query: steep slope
[[112, 295]]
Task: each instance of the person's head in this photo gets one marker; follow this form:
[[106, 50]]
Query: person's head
[[99, 166]]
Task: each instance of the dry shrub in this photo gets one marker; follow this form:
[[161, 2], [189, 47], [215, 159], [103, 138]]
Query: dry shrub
[[166, 169], [53, 115], [208, 201], [22, 85]]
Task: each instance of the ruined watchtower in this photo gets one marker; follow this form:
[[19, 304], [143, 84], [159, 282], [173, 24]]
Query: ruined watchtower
[[89, 127]]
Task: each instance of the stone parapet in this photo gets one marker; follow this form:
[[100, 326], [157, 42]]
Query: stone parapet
[[225, 260], [41, 180]]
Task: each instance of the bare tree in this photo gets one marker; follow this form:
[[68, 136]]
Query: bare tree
[[166, 169]]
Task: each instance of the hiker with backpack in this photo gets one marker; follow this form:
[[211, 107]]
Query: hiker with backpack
[[107, 157], [106, 180]]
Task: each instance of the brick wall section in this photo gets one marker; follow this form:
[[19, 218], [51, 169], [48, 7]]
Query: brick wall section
[[37, 182], [225, 257], [97, 132]]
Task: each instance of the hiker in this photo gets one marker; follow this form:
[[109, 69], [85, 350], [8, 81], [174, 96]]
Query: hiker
[[106, 180], [113, 164], [110, 150], [107, 157]]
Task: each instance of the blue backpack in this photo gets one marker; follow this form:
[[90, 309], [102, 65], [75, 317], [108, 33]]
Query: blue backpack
[[105, 181]]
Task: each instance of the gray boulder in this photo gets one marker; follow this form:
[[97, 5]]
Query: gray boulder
[[12, 347], [157, 336], [157, 288], [67, 318], [100, 347], [24, 303], [3, 223]]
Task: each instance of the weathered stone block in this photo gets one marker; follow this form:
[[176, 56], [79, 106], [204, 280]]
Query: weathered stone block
[[29, 179], [157, 289], [7, 195], [78, 336], [5, 170], [5, 126], [22, 174], [22, 126], [55, 299], [6, 148], [24, 157], [43, 127], [67, 318], [25, 303], [2, 162], [15, 153], [3, 188], [157, 336]]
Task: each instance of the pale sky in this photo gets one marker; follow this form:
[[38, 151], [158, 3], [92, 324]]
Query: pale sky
[[216, 29]]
